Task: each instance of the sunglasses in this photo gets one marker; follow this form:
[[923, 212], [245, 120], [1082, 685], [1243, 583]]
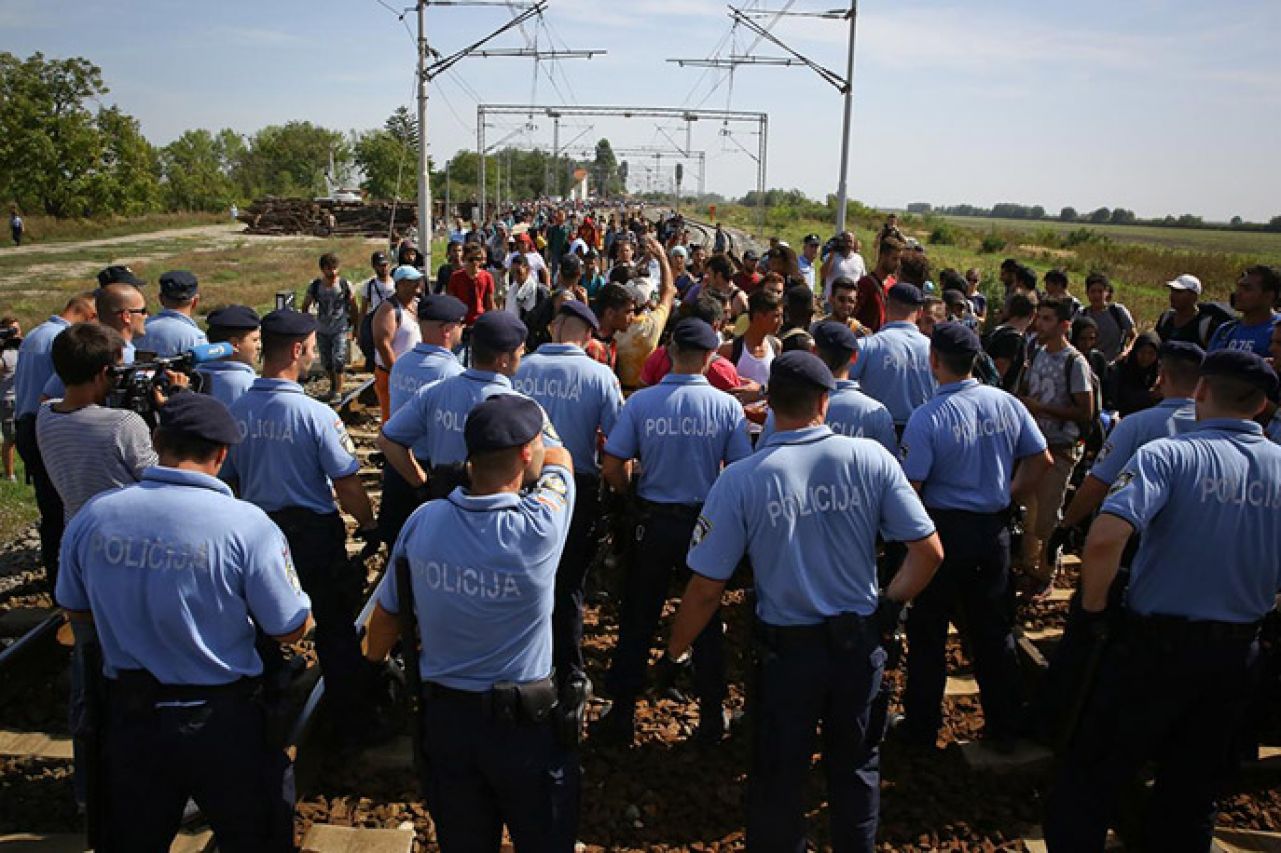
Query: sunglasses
[[133, 311]]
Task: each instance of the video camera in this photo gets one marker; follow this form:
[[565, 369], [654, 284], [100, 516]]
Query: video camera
[[135, 383], [9, 338]]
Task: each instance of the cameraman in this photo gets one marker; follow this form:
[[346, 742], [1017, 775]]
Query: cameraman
[[10, 341]]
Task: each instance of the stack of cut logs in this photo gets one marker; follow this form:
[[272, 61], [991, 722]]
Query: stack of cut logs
[[325, 218]]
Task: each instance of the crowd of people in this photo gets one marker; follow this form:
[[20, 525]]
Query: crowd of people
[[876, 450]]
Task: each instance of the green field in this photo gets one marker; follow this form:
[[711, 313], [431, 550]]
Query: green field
[[1263, 243]]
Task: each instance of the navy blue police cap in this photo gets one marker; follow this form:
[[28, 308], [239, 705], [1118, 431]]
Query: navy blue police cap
[[118, 274], [579, 311], [798, 367], [499, 331], [441, 308], [1243, 365], [234, 317], [906, 294], [834, 335], [179, 284], [199, 416], [955, 338], [695, 334], [288, 323], [501, 422], [1182, 351]]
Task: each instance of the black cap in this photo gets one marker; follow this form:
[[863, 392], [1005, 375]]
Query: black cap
[[625, 237], [906, 294], [750, 255], [693, 333], [287, 321], [952, 296], [1243, 365], [378, 258], [499, 331], [179, 284], [234, 317], [118, 274], [501, 422], [812, 240], [834, 335], [955, 338], [576, 309], [1182, 351], [800, 368], [441, 308], [199, 416]]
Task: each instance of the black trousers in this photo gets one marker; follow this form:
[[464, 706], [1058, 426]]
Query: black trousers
[[571, 579], [485, 773], [972, 589], [657, 549], [47, 499], [398, 502], [1175, 697], [804, 683], [215, 752], [318, 545]]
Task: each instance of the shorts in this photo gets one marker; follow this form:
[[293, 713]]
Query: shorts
[[333, 350], [7, 410]]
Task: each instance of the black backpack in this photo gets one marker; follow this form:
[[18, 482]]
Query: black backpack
[[1013, 377]]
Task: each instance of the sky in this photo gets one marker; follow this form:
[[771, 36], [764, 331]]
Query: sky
[[1159, 107]]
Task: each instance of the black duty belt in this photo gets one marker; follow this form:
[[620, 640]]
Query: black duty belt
[[843, 631], [142, 685], [526, 702], [685, 512], [1179, 628]]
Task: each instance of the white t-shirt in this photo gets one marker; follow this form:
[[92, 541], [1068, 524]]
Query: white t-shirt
[[851, 267], [522, 297], [536, 262]]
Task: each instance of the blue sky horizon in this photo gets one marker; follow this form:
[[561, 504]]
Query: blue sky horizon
[[1159, 107]]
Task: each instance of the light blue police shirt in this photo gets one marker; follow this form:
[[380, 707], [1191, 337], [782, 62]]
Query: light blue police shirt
[[422, 365], [173, 568], [1170, 417], [1208, 504], [35, 365], [293, 448], [483, 574], [579, 394], [807, 508], [55, 390], [963, 443], [893, 366], [431, 422], [682, 430], [853, 413], [170, 333], [227, 381]]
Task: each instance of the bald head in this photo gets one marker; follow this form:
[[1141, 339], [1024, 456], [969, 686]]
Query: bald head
[[123, 308]]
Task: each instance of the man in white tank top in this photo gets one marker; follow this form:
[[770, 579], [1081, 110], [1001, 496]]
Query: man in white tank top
[[395, 331]]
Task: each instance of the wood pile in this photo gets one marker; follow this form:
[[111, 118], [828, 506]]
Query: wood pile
[[327, 218]]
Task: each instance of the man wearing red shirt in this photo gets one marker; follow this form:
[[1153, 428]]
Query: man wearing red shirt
[[869, 309], [473, 286], [721, 373]]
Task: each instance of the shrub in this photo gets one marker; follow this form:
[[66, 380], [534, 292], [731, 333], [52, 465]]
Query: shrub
[[992, 243], [943, 235]]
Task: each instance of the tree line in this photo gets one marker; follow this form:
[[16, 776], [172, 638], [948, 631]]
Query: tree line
[[1098, 216], [63, 153]]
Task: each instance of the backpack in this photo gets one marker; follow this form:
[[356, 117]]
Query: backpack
[[985, 370], [1013, 378], [365, 337]]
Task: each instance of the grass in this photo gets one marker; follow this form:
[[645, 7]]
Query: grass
[[17, 504], [1262, 243], [48, 229]]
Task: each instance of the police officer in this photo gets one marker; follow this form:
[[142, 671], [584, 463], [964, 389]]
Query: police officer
[[849, 411], [170, 573], [1174, 415], [173, 331], [807, 508], [893, 365], [483, 565], [423, 441], [1176, 676], [440, 321], [296, 455], [682, 430], [581, 397], [231, 377], [967, 452]]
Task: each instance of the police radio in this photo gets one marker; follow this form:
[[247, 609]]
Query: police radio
[[135, 384]]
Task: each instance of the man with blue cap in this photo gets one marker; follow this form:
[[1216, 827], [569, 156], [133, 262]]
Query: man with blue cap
[[440, 325], [682, 431], [173, 573], [229, 378], [395, 331], [849, 411], [173, 331], [969, 451], [1180, 660], [806, 509], [582, 398], [423, 440], [482, 572], [893, 365], [296, 455]]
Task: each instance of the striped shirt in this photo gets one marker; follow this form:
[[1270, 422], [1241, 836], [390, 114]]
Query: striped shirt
[[91, 450]]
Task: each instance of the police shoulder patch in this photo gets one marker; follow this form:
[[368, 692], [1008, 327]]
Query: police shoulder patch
[[1103, 452], [1123, 480], [701, 529]]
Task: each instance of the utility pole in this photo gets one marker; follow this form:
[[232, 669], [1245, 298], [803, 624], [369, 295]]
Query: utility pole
[[447, 205], [424, 171], [842, 189]]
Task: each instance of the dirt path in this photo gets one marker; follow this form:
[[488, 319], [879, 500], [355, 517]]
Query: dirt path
[[224, 233]]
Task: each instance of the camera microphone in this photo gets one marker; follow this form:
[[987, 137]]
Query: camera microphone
[[210, 352]]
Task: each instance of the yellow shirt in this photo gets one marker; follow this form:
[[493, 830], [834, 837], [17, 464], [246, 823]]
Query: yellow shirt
[[636, 344]]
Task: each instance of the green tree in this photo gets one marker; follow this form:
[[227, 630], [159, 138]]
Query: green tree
[[389, 166], [1274, 224], [125, 179], [1101, 215], [291, 160], [197, 170], [1068, 214], [605, 174]]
